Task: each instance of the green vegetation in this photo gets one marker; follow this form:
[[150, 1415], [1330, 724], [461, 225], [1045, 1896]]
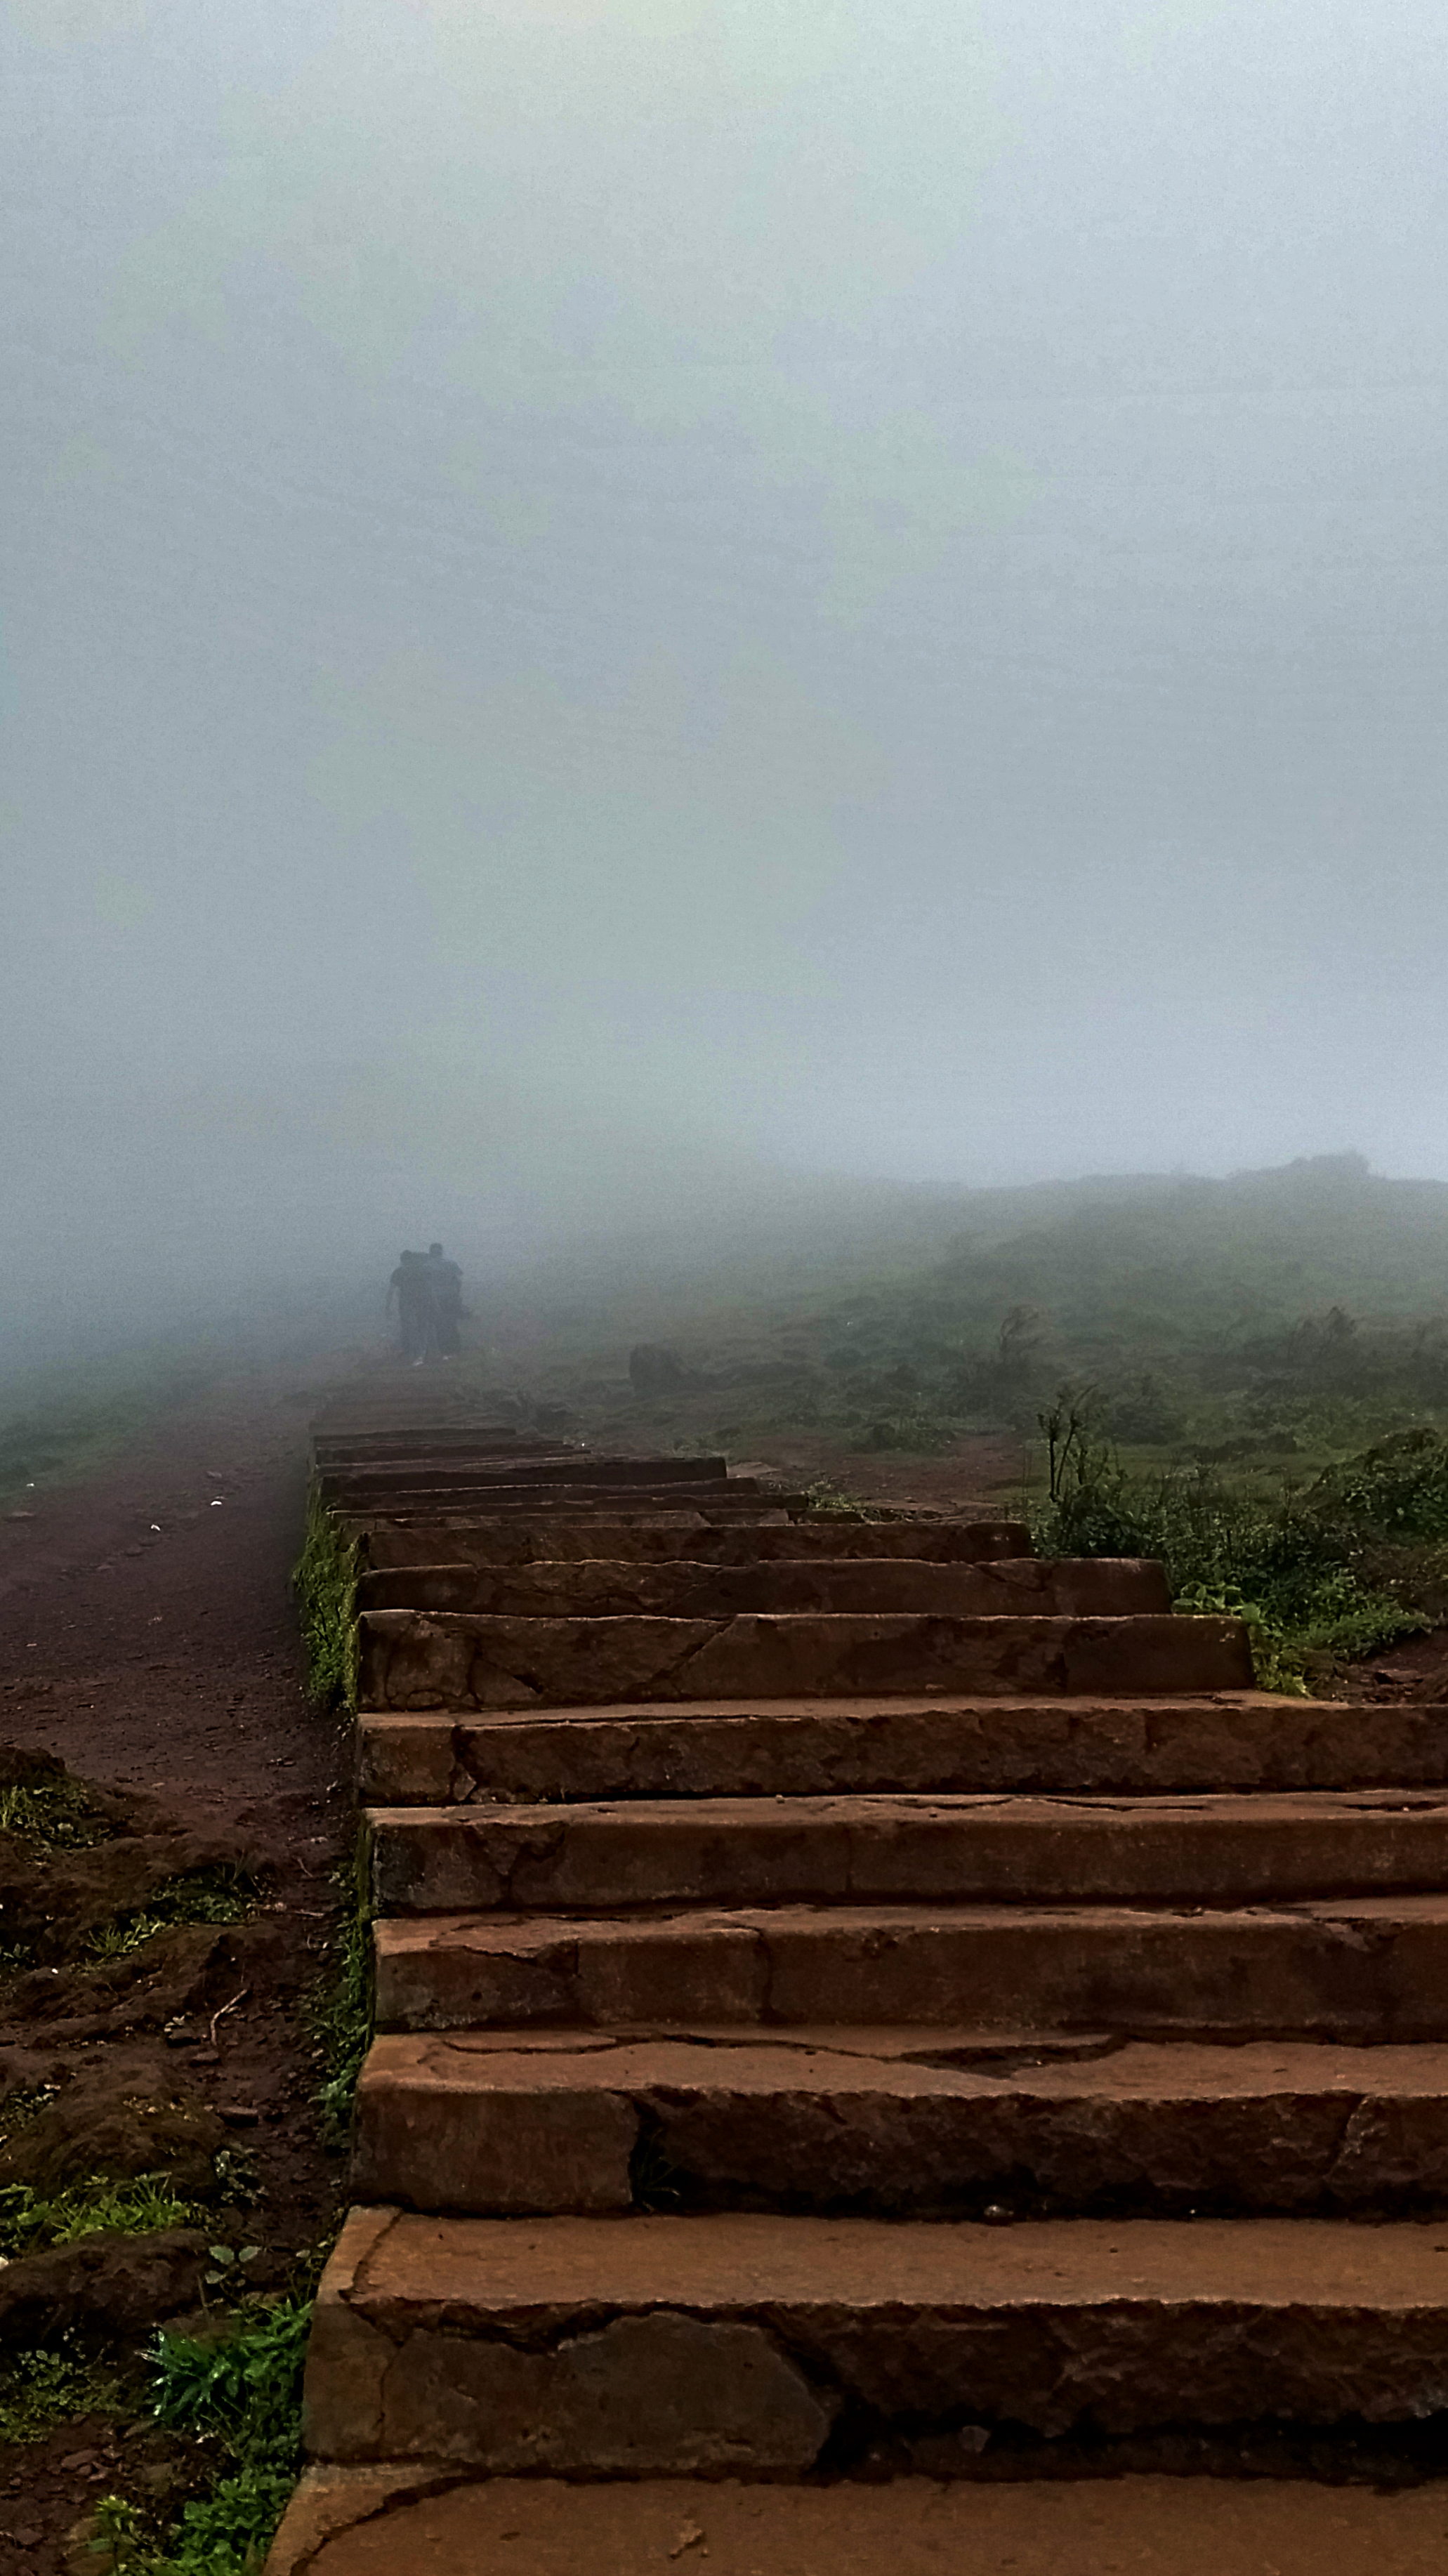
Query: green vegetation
[[219, 1893], [97, 2206], [54, 1813], [1336, 1569], [341, 2006], [1267, 1324], [50, 2384], [1260, 1368], [829, 1501], [325, 1581], [240, 2397]]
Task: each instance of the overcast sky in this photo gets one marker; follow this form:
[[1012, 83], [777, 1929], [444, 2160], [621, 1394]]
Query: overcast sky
[[856, 583]]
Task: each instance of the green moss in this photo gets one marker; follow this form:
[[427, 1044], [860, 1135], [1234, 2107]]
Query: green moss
[[325, 1582], [341, 2007]]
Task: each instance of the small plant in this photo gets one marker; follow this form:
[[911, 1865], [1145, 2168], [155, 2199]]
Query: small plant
[[325, 1582], [225, 2272], [1278, 1663]]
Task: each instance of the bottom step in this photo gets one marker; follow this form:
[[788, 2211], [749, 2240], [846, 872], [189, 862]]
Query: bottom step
[[375, 2522], [649, 2347]]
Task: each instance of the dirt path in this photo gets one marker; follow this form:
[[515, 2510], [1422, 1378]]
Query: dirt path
[[147, 1638]]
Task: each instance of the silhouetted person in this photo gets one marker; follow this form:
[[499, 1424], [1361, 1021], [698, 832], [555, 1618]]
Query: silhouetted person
[[445, 1299], [411, 1287]]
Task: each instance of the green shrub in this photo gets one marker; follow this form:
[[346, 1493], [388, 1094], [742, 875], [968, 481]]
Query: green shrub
[[1304, 1570]]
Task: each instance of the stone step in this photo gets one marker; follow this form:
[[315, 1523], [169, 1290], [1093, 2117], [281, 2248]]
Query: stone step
[[522, 1535], [488, 2122], [963, 2518], [681, 1588], [1362, 1969], [753, 2343], [739, 1499], [412, 1439], [656, 1537], [985, 1849], [811, 1748], [545, 1467], [414, 1461], [462, 1662]]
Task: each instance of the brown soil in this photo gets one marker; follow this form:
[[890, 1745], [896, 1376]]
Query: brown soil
[[148, 1640], [1398, 1676]]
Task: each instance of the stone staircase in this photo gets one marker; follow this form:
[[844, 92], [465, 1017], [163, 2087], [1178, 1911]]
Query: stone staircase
[[851, 1997]]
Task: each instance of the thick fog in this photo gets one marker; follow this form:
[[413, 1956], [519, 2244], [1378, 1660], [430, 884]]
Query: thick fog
[[606, 598]]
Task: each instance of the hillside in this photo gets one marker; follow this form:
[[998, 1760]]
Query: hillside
[[1276, 1318]]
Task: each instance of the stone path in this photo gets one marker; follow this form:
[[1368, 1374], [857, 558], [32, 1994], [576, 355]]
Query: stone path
[[849, 1998]]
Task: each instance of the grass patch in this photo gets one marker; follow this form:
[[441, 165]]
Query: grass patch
[[97, 2206], [1321, 1574], [56, 1815], [220, 1893], [324, 1579], [52, 2384], [340, 2009], [829, 1501], [241, 2398]]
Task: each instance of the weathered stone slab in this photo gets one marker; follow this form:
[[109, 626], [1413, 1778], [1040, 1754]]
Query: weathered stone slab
[[591, 2346], [649, 1537], [806, 1748], [629, 2395], [1007, 1587], [1367, 1970], [903, 2121], [968, 1849], [410, 1660]]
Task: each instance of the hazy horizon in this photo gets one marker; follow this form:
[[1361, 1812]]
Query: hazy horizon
[[607, 607]]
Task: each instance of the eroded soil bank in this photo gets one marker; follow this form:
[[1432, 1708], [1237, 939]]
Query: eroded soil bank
[[169, 1903]]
